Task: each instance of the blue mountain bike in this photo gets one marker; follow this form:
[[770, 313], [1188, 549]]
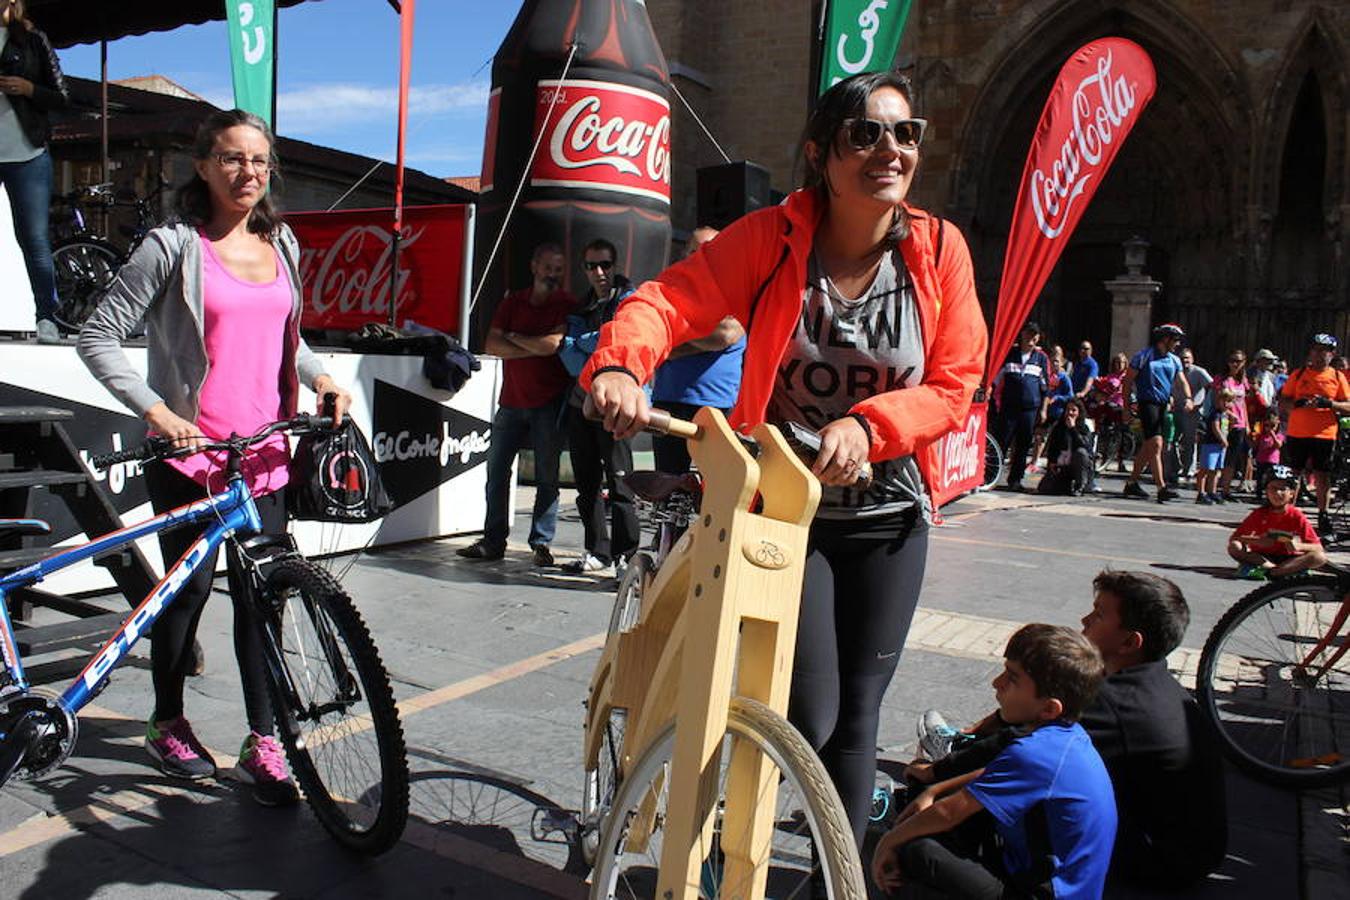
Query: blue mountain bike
[[335, 711]]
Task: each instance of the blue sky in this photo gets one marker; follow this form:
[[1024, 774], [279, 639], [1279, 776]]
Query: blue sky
[[338, 79]]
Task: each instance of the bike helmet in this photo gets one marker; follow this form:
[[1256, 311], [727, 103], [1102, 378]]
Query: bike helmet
[[1168, 330], [1281, 473], [1322, 339]]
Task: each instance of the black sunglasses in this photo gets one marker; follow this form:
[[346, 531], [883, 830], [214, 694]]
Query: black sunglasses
[[864, 134], [603, 265]]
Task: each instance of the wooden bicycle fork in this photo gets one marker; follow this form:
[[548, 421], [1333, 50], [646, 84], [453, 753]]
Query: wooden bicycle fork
[[722, 610]]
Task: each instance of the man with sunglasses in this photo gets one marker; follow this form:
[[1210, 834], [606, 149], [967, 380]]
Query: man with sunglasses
[[596, 456]]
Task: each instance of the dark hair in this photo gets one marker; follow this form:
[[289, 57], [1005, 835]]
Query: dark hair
[[601, 244], [848, 100], [18, 14], [192, 201], [1151, 605], [1064, 665], [1031, 325]]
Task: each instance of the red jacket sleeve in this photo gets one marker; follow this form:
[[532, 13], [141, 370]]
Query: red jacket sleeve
[[904, 420], [690, 298]]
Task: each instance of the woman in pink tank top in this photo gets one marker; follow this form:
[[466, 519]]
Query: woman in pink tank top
[[220, 291]]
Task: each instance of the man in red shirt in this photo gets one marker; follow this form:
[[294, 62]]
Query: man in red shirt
[[526, 330], [1313, 398], [1276, 539]]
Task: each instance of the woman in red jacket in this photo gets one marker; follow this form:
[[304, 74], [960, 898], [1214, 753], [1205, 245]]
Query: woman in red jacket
[[863, 323]]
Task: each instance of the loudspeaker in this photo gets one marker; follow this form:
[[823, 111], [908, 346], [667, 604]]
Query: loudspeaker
[[725, 193]]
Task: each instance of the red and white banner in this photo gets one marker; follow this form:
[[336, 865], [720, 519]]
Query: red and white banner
[[1095, 102], [960, 457], [605, 136], [344, 266]]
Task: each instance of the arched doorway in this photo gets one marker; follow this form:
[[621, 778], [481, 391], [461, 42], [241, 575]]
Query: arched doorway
[[1177, 181]]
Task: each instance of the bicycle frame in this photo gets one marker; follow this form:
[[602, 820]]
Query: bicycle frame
[[729, 586], [230, 512], [1305, 667]]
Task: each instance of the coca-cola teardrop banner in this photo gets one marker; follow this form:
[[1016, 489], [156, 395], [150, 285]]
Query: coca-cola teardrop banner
[[605, 136], [1095, 102], [344, 266]]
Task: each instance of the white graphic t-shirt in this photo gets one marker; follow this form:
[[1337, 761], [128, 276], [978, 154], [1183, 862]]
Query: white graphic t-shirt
[[844, 351]]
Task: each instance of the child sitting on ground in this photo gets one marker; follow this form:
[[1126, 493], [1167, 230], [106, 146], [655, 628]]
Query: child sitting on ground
[[1213, 440], [1266, 448], [1163, 761], [1276, 539], [1047, 795]]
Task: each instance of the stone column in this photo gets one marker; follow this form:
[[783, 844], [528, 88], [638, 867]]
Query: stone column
[[1132, 301]]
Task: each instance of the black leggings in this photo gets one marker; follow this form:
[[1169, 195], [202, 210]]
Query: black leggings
[[173, 632], [858, 599]]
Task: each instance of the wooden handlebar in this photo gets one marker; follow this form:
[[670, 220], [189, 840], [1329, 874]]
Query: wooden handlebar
[[662, 422]]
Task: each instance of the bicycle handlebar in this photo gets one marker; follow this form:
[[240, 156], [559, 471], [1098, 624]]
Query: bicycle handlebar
[[161, 448]]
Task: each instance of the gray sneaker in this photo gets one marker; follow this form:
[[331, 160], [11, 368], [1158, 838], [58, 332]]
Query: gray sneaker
[[47, 332], [935, 735]]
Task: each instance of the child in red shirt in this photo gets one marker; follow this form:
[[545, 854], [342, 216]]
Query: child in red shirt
[[1276, 539]]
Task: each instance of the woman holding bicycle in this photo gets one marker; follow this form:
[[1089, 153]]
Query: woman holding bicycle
[[219, 291], [31, 86], [862, 322]]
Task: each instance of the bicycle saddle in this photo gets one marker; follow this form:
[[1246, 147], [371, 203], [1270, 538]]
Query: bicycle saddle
[[655, 487], [23, 527]]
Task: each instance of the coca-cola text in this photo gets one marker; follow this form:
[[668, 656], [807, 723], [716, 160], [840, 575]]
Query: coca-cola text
[[1096, 117]]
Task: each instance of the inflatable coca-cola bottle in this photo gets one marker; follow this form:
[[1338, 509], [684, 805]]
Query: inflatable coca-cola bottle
[[603, 166]]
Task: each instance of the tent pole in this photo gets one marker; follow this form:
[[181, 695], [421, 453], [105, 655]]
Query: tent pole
[[276, 22], [103, 107]]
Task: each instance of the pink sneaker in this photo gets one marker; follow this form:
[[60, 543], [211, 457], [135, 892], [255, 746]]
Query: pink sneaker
[[262, 763], [178, 751]]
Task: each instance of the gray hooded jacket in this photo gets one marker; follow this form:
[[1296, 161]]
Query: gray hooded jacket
[[162, 284]]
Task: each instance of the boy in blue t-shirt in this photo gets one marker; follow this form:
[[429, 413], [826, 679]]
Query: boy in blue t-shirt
[[1045, 802]]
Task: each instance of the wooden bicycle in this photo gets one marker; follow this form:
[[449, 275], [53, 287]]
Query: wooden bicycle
[[697, 786]]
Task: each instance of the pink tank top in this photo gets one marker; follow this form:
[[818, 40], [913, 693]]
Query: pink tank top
[[245, 331]]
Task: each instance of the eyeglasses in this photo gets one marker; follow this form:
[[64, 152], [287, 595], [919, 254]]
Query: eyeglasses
[[864, 134], [603, 265], [1236, 359], [233, 163]]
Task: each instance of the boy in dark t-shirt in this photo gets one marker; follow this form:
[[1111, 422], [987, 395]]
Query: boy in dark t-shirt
[[1163, 761], [1045, 800]]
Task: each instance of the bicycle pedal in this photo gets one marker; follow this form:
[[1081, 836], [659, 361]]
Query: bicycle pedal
[[546, 822]]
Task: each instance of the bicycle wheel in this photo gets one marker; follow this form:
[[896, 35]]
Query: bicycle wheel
[[335, 711], [993, 462], [1280, 722], [85, 267], [1108, 448], [597, 795], [810, 838]]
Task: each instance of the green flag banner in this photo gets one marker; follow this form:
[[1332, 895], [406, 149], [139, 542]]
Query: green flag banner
[[861, 36], [251, 54]]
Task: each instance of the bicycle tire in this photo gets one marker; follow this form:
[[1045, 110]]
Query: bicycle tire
[[84, 269], [994, 462], [1107, 449], [1269, 724], [350, 759], [800, 771], [601, 782]]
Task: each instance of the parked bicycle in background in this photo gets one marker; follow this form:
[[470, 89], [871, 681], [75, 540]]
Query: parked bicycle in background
[[86, 262]]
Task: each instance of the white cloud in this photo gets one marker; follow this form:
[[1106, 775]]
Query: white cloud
[[323, 108]]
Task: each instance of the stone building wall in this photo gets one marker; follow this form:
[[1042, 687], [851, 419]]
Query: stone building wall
[[1238, 173]]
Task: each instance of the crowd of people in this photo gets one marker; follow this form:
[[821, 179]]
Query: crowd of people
[[1223, 435], [777, 319]]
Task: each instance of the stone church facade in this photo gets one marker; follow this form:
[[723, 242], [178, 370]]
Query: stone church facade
[[1237, 175]]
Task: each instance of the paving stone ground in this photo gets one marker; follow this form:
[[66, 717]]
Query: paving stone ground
[[492, 661]]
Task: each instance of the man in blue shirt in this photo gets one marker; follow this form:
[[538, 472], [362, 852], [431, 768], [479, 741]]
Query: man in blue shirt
[[1047, 794], [1020, 388], [703, 372], [1153, 374], [1084, 371]]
